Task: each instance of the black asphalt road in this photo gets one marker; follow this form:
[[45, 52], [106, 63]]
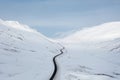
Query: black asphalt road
[[55, 64]]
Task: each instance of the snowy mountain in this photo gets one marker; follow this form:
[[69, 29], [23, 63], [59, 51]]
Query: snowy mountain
[[25, 54], [103, 32], [92, 53]]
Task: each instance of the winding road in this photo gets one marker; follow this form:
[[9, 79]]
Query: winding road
[[55, 64]]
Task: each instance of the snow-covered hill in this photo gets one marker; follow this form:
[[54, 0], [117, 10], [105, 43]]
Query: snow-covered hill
[[92, 53], [25, 54], [103, 32]]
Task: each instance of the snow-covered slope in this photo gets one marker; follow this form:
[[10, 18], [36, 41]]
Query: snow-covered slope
[[104, 32], [92, 53], [25, 54]]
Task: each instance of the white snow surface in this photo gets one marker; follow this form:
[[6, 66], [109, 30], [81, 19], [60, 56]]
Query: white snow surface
[[25, 54], [90, 54], [103, 32], [16, 24]]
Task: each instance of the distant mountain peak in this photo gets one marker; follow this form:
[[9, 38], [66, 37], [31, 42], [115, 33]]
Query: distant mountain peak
[[103, 32], [16, 25]]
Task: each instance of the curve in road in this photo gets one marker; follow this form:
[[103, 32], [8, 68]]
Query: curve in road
[[55, 64]]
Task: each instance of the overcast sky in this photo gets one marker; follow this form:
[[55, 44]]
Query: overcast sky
[[52, 17]]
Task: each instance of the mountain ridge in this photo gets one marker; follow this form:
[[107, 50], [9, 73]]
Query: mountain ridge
[[103, 32]]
